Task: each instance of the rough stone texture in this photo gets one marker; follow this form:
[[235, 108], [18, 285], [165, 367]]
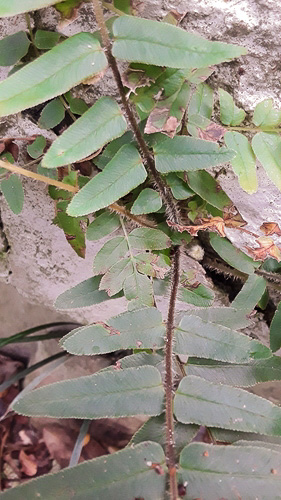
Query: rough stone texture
[[40, 261]]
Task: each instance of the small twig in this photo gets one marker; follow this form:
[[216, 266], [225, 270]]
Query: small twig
[[141, 221], [27, 18], [255, 129], [67, 108], [111, 7], [27, 173]]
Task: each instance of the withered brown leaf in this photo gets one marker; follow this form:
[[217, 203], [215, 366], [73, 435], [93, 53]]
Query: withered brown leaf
[[269, 228], [216, 224], [267, 248]]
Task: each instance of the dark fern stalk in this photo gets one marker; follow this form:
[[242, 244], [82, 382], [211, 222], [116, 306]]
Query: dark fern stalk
[[174, 216]]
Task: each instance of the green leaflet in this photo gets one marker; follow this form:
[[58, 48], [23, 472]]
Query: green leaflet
[[143, 238], [110, 253], [230, 114], [148, 201], [14, 7], [244, 163], [200, 296], [138, 289], [225, 316], [84, 294], [76, 105], [202, 339], [199, 401], [122, 174], [103, 225], [134, 391], [123, 5], [13, 192], [207, 188], [214, 472], [275, 330], [52, 114], [36, 148], [179, 188], [142, 328], [99, 125], [241, 375], [201, 103], [232, 255], [52, 74], [73, 228], [13, 48], [125, 474], [46, 39], [265, 115], [113, 279], [250, 294], [267, 148], [154, 430], [228, 436], [187, 153], [151, 42]]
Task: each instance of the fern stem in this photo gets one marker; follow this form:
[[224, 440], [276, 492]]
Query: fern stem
[[170, 439], [162, 187], [174, 216]]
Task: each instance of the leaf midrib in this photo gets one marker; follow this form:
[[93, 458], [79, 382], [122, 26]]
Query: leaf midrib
[[162, 44]]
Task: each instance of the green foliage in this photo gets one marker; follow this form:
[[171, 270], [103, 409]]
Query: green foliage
[[229, 113], [202, 339], [250, 294], [186, 154], [103, 225], [13, 193], [267, 148], [240, 375], [123, 173], [14, 7], [232, 255], [147, 202], [244, 163], [265, 115], [124, 474], [52, 114], [199, 401], [76, 105], [84, 294], [275, 330], [210, 359], [134, 391], [69, 63], [36, 148], [253, 473], [149, 42], [99, 125], [199, 295], [13, 48], [146, 330], [46, 39], [203, 184]]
